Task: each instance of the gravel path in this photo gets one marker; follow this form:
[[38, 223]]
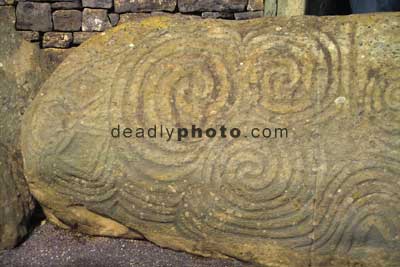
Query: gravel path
[[50, 246]]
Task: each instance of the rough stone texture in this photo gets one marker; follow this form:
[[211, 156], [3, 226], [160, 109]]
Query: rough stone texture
[[50, 58], [50, 1], [57, 40], [138, 17], [327, 195], [95, 20], [285, 7], [114, 19], [30, 36], [97, 3], [17, 87], [16, 202], [123, 18], [80, 37], [66, 5], [271, 8], [122, 6], [211, 5], [23, 68], [255, 5], [249, 15], [217, 15], [291, 7], [34, 16], [7, 2], [67, 20]]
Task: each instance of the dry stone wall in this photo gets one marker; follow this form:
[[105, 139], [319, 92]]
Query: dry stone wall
[[67, 23]]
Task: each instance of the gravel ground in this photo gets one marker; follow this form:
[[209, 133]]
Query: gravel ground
[[50, 246]]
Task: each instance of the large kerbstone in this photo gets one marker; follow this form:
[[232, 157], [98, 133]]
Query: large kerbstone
[[327, 195], [23, 68]]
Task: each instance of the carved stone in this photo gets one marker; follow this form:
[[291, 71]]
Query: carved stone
[[327, 195]]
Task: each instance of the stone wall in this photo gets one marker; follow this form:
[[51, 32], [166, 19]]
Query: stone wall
[[67, 23]]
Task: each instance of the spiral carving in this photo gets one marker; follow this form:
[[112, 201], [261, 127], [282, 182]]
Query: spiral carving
[[256, 190], [382, 99], [178, 82], [358, 204], [296, 77]]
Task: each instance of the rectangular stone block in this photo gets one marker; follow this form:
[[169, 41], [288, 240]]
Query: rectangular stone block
[[122, 6], [57, 40], [97, 3], [248, 15], [66, 5], [217, 15], [95, 20], [67, 20], [34, 16], [209, 5]]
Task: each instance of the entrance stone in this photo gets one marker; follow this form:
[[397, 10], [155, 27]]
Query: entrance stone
[[325, 195]]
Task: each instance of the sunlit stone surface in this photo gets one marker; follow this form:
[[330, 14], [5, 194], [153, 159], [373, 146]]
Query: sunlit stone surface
[[327, 195]]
